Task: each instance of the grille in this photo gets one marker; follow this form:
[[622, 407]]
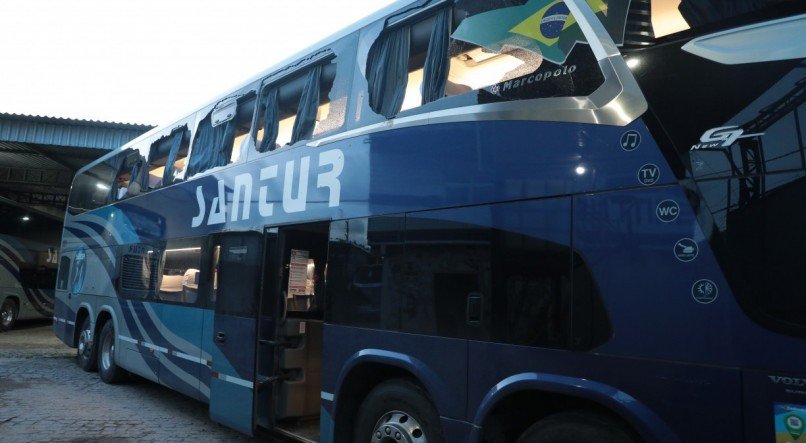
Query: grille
[[137, 272]]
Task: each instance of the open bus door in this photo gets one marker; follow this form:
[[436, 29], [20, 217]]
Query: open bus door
[[289, 358], [237, 281]]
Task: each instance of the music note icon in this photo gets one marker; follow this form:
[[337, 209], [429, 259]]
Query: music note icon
[[630, 140]]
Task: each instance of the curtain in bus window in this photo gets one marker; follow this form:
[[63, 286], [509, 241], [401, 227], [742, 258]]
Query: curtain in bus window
[[387, 71], [271, 122], [224, 151], [202, 148], [168, 174], [204, 155], [437, 64], [138, 177], [308, 106]]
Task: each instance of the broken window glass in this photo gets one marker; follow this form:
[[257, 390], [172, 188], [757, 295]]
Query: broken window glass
[[484, 51]]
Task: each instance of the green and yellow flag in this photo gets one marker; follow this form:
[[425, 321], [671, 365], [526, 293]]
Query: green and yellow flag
[[536, 26]]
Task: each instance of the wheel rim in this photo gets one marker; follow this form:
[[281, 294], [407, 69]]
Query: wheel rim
[[6, 315], [107, 352], [398, 426], [84, 342]]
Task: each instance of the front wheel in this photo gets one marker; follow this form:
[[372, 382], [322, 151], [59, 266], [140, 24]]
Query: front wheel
[[397, 411], [107, 368], [86, 354], [8, 314], [576, 426]]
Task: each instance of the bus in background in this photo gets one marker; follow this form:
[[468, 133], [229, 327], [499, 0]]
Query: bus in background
[[472, 221], [29, 243]]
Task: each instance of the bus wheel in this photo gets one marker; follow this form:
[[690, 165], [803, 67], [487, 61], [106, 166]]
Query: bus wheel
[[397, 411], [107, 368], [87, 352], [576, 426], [8, 314]]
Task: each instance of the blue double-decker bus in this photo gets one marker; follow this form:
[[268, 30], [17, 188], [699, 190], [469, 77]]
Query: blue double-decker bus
[[507, 220]]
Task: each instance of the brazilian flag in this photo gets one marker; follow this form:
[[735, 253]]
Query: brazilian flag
[[545, 27]]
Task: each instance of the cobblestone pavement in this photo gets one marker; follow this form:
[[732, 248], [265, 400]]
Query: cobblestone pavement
[[45, 396]]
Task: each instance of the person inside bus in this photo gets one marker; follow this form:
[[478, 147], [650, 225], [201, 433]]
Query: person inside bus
[[122, 187]]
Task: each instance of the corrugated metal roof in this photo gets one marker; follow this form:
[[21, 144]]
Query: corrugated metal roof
[[67, 132], [18, 155]]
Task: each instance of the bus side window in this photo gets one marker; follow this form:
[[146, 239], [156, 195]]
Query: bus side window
[[166, 159], [296, 109], [484, 51], [92, 188], [179, 271], [130, 175], [219, 144], [64, 272], [364, 270], [501, 273]]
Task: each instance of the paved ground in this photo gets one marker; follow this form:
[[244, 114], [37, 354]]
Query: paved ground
[[44, 396]]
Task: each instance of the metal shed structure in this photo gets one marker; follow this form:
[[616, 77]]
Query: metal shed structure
[[40, 155]]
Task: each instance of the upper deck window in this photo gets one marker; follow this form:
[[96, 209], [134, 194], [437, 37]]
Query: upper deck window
[[648, 20], [92, 188], [167, 158], [483, 51], [296, 109], [220, 134]]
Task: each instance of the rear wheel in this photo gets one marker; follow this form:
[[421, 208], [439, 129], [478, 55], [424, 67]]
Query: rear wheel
[[8, 314], [576, 426], [397, 411], [107, 368], [87, 352]]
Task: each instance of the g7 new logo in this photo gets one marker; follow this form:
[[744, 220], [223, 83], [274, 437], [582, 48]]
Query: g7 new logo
[[721, 137]]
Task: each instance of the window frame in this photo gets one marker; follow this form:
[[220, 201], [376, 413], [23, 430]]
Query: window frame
[[618, 101], [282, 77]]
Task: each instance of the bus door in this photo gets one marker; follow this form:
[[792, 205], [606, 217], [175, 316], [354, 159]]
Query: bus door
[[291, 320], [238, 280]]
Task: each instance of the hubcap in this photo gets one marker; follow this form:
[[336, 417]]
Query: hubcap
[[398, 426], [107, 351], [6, 315], [85, 342]]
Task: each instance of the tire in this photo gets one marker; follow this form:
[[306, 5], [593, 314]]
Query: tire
[[109, 371], [397, 407], [87, 352], [576, 426], [8, 314]]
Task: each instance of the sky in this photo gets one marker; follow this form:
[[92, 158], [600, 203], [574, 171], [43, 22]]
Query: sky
[[150, 61]]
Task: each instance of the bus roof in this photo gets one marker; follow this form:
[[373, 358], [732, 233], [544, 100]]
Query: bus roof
[[376, 16]]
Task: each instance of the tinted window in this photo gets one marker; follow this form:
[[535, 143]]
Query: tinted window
[[512, 261], [64, 272], [92, 188], [754, 188], [238, 274], [365, 272], [502, 273], [672, 16], [37, 277]]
